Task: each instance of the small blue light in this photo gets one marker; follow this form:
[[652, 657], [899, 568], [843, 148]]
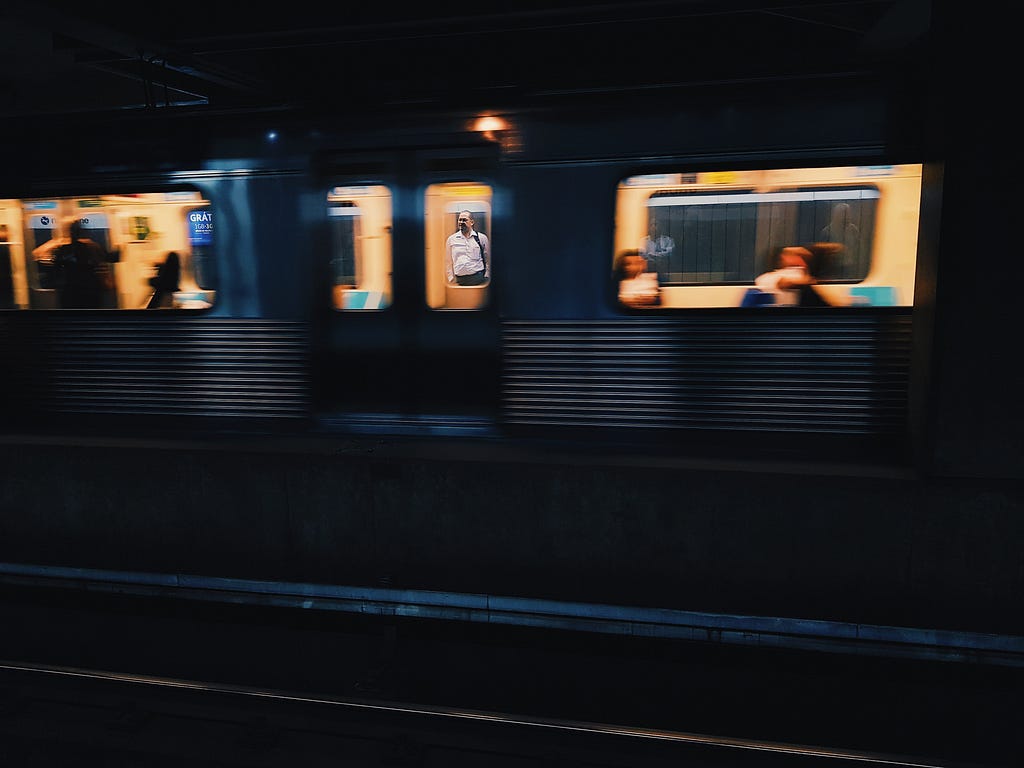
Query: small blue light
[[271, 136]]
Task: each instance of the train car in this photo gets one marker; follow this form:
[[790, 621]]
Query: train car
[[344, 257], [322, 413]]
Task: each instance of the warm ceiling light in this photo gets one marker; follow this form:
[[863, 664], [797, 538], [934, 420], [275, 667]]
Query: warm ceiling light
[[487, 123]]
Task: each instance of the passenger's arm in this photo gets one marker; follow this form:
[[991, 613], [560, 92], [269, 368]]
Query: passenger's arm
[[46, 250]]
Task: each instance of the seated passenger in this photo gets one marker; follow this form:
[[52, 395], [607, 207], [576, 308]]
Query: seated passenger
[[826, 258], [165, 283], [637, 287], [791, 281]]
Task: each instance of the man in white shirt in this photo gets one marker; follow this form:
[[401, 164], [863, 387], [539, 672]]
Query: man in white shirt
[[468, 254]]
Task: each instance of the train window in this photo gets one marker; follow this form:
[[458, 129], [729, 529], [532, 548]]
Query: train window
[[458, 245], [137, 251], [360, 227], [716, 239]]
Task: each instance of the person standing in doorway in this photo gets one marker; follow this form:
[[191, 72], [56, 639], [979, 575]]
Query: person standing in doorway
[[468, 254], [83, 273]]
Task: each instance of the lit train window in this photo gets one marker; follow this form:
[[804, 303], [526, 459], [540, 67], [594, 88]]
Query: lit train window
[[359, 218], [139, 251], [458, 245], [718, 239]]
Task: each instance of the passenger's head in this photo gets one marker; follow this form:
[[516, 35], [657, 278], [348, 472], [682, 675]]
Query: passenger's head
[[75, 229], [465, 221], [825, 257], [840, 218], [630, 263], [793, 256]]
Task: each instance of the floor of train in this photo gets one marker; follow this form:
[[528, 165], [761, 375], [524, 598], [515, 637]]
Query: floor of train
[[946, 711]]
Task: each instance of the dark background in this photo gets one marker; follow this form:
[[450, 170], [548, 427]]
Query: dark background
[[64, 57]]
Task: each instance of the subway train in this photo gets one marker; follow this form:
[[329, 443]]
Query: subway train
[[316, 286], [317, 410]]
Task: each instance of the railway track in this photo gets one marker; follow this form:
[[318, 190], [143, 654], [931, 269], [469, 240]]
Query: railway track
[[118, 680], [68, 714]]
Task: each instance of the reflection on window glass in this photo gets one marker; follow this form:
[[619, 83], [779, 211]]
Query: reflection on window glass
[[822, 236], [458, 245], [719, 236], [359, 218], [141, 251]]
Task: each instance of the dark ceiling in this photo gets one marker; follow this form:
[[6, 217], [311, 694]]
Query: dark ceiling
[[63, 57]]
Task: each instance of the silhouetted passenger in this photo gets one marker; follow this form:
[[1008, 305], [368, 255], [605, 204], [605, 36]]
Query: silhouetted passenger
[[827, 259], [165, 283], [83, 276], [841, 229]]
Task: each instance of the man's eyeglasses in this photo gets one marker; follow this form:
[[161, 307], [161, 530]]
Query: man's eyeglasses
[[463, 221]]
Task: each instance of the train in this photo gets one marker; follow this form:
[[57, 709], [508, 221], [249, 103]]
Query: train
[[343, 259], [322, 416]]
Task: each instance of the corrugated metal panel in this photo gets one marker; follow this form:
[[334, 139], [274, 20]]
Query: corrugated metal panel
[[840, 373], [183, 366]]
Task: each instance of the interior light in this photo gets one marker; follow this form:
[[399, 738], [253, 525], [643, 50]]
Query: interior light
[[498, 130], [489, 123]]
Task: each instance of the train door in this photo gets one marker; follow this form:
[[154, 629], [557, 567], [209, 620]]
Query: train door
[[456, 334], [411, 341]]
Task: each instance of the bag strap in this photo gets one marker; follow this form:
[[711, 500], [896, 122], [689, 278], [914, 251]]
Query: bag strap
[[483, 257]]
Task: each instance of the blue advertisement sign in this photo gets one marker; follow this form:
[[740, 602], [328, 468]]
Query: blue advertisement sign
[[200, 226]]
